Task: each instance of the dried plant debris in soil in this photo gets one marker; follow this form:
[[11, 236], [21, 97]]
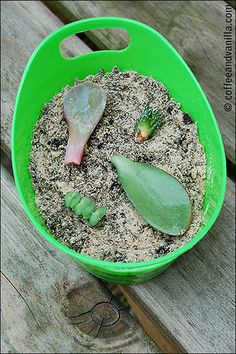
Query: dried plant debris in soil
[[122, 235]]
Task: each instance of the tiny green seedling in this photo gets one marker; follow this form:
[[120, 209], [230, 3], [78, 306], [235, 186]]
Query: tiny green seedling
[[85, 207], [148, 123]]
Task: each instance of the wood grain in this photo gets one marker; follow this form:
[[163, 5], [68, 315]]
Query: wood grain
[[49, 303], [194, 28], [24, 25], [193, 301], [166, 340]]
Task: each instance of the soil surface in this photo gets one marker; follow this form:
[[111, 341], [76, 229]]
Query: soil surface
[[123, 235]]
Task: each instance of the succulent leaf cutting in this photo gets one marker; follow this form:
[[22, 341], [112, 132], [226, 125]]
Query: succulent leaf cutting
[[85, 207], [149, 121], [159, 197], [83, 108]]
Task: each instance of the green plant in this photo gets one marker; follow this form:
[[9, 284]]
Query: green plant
[[149, 121], [159, 197], [85, 207], [83, 108]]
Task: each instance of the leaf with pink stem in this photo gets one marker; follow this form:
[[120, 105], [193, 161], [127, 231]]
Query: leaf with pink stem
[[84, 105]]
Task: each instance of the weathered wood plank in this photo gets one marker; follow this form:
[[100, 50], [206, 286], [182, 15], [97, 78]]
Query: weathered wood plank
[[50, 304], [192, 303], [196, 30], [24, 25]]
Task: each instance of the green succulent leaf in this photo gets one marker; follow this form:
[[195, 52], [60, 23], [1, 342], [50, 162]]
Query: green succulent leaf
[[97, 216], [82, 206], [72, 199], [68, 198], [87, 212], [159, 197]]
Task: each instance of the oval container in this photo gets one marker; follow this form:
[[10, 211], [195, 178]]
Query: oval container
[[148, 53]]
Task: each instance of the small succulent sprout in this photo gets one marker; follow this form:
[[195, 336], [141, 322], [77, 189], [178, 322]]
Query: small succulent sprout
[[149, 121], [84, 203], [87, 212], [85, 207], [97, 216]]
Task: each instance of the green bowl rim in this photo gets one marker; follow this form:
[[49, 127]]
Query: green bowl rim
[[118, 265]]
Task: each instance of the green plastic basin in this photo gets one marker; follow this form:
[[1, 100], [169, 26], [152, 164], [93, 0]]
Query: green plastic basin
[[148, 53]]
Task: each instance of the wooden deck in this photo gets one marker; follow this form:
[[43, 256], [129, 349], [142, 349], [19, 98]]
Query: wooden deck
[[48, 302]]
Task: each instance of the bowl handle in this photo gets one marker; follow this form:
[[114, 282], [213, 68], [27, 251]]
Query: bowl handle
[[137, 31]]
